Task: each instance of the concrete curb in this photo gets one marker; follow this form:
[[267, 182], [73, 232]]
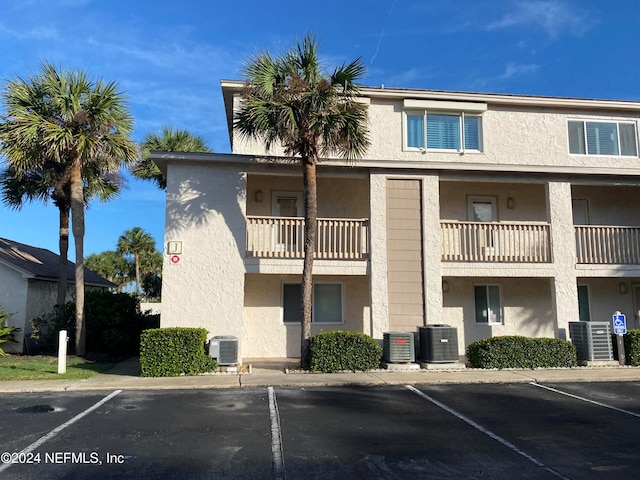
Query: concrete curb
[[117, 379]]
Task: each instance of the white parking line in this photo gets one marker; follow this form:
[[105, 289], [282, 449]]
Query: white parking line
[[58, 429], [276, 438], [611, 407], [487, 432]]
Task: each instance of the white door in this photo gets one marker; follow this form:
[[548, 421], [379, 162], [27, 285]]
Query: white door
[[580, 208], [483, 209], [287, 233]]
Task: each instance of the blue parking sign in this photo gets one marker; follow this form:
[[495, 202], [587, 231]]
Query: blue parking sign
[[619, 324]]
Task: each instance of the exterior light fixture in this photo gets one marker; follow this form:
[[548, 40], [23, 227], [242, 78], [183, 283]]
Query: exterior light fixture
[[258, 196]]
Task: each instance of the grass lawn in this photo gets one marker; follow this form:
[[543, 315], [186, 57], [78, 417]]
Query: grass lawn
[[44, 367]]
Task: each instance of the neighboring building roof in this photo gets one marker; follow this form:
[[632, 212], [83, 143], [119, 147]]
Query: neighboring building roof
[[41, 264]]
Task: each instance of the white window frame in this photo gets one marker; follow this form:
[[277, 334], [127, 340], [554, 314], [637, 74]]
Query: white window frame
[[500, 312], [424, 114], [342, 298], [460, 109], [586, 141]]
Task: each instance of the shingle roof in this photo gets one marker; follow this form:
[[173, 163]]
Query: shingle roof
[[42, 264]]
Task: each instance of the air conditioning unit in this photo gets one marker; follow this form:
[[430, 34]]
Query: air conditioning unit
[[224, 348], [592, 340], [439, 344], [398, 347]]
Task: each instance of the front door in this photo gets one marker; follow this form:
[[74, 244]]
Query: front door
[[636, 306], [288, 231], [483, 209]]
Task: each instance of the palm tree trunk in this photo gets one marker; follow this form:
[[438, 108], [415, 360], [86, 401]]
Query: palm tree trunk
[[64, 255], [77, 223], [137, 259], [310, 227]]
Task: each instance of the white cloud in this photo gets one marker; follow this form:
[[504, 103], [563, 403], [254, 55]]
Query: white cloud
[[511, 71], [36, 33], [554, 16]]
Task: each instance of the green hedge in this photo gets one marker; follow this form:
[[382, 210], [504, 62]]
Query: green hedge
[[521, 352], [631, 347], [342, 350], [113, 323], [169, 352]]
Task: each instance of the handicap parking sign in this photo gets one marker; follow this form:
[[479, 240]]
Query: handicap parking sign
[[619, 324]]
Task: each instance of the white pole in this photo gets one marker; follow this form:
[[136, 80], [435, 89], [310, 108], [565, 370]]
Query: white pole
[[62, 351]]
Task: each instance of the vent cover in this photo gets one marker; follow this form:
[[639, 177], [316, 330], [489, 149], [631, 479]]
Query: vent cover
[[398, 347], [439, 344], [224, 348], [592, 340]]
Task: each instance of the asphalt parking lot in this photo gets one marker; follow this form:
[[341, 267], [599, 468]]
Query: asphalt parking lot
[[498, 431]]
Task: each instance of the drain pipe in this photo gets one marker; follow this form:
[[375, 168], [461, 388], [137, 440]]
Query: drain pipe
[[62, 351]]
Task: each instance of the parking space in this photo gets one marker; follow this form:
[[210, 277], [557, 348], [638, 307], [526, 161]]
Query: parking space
[[500, 431]]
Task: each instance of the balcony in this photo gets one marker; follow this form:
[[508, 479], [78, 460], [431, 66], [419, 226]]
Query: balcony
[[283, 237], [607, 244], [495, 242]]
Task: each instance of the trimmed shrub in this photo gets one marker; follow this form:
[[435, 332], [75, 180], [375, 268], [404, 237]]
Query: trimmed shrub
[[521, 352], [631, 347], [344, 351], [169, 352]]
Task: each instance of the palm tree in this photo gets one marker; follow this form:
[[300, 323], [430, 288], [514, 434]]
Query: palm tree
[[66, 118], [110, 265], [52, 184], [291, 101], [136, 242], [170, 140]]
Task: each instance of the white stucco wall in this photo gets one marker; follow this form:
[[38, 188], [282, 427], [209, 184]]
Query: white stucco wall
[[265, 334], [206, 213], [13, 298]]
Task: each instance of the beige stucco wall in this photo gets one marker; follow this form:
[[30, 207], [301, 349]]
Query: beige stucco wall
[[610, 205], [519, 136], [265, 334], [338, 197], [605, 299], [526, 304], [529, 200], [205, 212]]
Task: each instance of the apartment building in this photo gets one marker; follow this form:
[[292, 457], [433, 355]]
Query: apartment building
[[495, 214]]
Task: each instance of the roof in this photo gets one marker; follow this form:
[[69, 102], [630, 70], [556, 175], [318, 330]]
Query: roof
[[41, 264]]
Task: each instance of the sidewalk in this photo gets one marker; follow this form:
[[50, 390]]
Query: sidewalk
[[264, 373]]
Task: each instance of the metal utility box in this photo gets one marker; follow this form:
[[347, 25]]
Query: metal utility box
[[398, 347], [224, 348], [592, 340], [439, 344]]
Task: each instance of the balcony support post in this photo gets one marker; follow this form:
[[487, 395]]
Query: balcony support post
[[564, 284]]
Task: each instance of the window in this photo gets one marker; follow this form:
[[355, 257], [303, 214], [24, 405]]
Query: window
[[443, 131], [602, 138], [488, 304], [327, 302]]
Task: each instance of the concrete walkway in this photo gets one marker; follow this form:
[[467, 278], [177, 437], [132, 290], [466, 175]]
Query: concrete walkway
[[278, 372]]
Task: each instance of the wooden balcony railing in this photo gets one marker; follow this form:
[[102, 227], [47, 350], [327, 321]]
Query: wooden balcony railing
[[600, 244], [495, 242], [283, 237]]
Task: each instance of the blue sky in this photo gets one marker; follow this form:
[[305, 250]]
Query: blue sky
[[169, 57]]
